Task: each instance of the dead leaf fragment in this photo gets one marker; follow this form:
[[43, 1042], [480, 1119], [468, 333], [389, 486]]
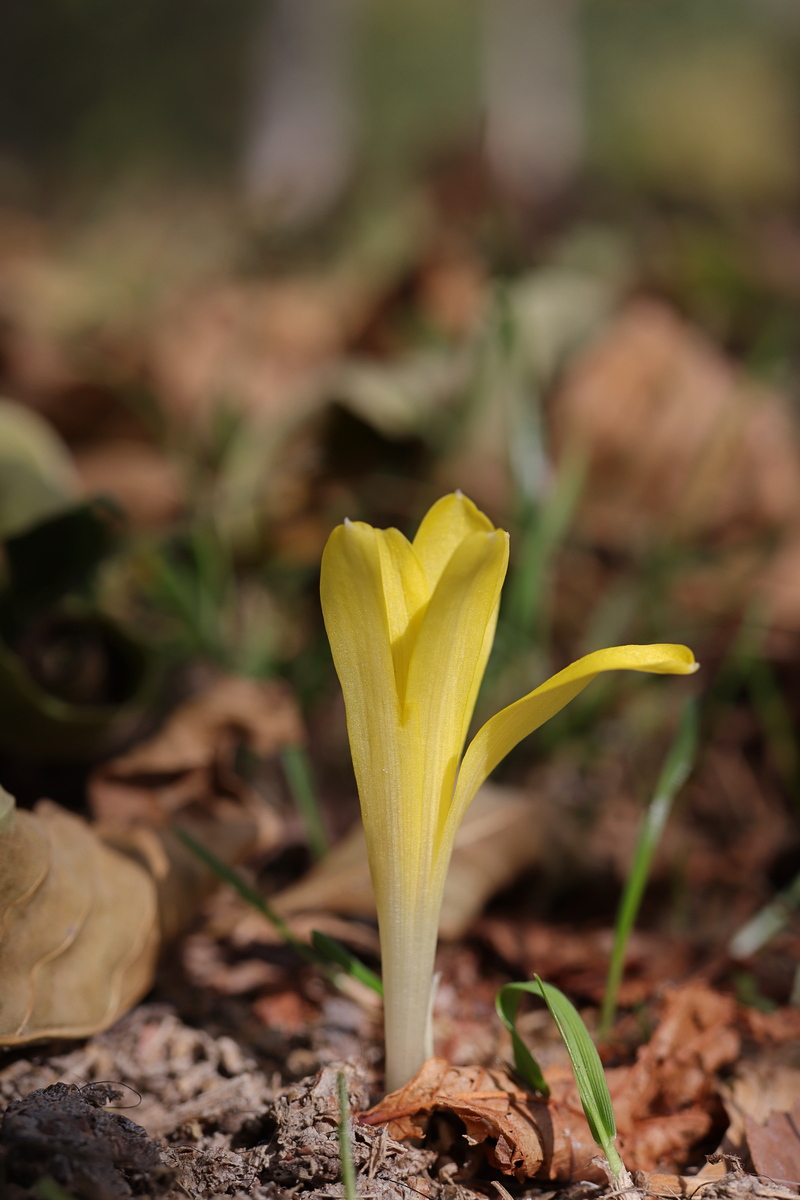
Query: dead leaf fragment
[[666, 1103], [775, 1145], [522, 1135], [78, 928]]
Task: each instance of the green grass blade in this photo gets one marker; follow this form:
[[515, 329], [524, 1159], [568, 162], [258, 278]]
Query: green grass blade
[[675, 772], [343, 958], [589, 1074], [345, 1145], [507, 1004], [301, 784]]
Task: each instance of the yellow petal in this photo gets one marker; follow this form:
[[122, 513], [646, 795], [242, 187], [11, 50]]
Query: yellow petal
[[406, 595], [447, 665], [354, 608], [505, 729], [445, 525]]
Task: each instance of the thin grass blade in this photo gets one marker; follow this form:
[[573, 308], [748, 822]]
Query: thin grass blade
[[675, 772], [343, 958], [345, 1145], [304, 794]]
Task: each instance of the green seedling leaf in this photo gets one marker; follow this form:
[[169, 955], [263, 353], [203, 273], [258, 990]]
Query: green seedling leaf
[[339, 954], [675, 772], [507, 1004], [589, 1074], [345, 1146]]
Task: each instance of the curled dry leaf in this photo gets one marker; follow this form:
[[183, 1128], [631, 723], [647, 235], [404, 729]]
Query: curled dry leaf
[[78, 927], [501, 835], [522, 1135]]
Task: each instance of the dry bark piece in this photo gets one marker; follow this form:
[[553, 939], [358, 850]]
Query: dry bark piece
[[522, 1135], [304, 1151], [65, 1132], [78, 945]]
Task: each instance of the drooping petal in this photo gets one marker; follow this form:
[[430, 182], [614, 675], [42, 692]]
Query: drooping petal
[[447, 664], [505, 729], [445, 525]]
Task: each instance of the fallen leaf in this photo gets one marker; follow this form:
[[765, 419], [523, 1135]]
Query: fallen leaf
[[502, 834], [659, 1183], [577, 960], [522, 1135], [78, 927]]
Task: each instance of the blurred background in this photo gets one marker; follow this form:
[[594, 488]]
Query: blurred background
[[268, 264]]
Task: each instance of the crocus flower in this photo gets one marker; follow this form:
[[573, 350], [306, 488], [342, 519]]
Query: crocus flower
[[411, 625]]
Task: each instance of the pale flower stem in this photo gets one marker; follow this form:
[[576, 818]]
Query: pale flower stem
[[408, 953]]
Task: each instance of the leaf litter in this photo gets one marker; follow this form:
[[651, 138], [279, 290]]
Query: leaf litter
[[241, 1099]]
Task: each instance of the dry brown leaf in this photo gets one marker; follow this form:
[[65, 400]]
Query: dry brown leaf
[[670, 1187], [500, 836], [522, 1135], [79, 932]]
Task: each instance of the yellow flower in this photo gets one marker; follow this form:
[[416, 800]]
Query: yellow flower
[[411, 625]]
